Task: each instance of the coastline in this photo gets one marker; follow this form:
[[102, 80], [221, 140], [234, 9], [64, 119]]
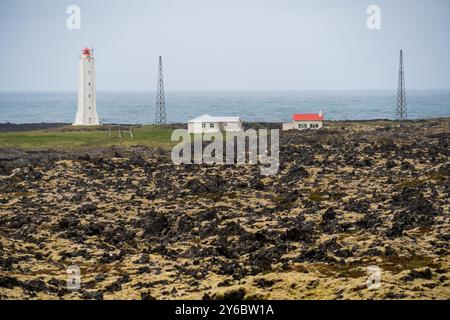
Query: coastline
[[22, 127]]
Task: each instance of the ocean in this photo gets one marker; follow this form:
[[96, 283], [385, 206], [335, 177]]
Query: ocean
[[263, 106]]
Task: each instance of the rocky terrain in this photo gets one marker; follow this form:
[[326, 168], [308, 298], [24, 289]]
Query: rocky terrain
[[12, 127], [347, 197]]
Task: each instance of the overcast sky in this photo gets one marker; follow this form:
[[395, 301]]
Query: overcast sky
[[226, 44]]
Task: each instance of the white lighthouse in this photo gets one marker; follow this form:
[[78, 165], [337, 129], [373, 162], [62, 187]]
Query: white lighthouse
[[87, 108]]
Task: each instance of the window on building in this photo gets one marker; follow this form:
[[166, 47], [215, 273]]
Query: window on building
[[203, 125], [302, 126], [89, 84], [211, 125]]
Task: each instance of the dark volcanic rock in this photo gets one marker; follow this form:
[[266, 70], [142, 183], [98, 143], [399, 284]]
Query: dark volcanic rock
[[424, 273], [370, 220], [238, 294], [119, 234], [357, 206], [9, 282], [302, 231], [321, 253], [329, 215], [419, 212], [92, 295], [295, 173], [330, 223], [154, 224], [87, 209], [213, 184], [262, 260], [34, 285]]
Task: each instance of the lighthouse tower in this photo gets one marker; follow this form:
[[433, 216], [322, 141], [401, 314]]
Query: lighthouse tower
[[87, 109]]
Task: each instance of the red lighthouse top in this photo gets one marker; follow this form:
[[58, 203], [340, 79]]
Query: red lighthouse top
[[87, 51]]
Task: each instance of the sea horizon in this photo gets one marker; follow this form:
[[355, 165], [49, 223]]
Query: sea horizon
[[137, 107]]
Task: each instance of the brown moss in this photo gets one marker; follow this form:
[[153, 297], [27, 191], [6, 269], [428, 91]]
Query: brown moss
[[397, 264], [345, 271], [410, 183], [316, 196]]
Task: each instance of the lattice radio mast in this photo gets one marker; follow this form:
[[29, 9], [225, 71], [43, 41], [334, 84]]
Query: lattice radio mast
[[160, 116], [401, 93]]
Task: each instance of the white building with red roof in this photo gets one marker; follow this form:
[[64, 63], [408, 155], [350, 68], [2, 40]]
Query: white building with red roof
[[303, 121]]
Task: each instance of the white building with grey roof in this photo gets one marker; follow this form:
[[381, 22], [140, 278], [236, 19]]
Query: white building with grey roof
[[211, 124]]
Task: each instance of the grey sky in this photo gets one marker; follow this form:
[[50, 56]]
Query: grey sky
[[226, 45]]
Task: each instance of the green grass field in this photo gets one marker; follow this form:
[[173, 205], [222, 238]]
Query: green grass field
[[69, 138]]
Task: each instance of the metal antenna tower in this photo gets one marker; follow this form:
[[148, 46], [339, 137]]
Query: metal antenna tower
[[160, 116], [401, 93]]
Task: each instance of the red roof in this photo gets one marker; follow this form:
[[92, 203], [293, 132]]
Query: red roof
[[308, 117]]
